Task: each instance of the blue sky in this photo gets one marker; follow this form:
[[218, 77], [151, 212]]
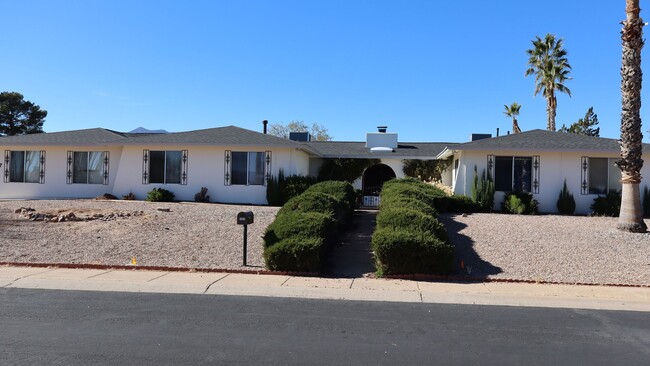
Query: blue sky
[[430, 70]]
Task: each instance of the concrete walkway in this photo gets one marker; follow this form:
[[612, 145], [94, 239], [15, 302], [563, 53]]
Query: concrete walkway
[[367, 289], [353, 257]]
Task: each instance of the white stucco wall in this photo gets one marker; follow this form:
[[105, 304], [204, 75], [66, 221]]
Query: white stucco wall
[[205, 169], [55, 185], [554, 168]]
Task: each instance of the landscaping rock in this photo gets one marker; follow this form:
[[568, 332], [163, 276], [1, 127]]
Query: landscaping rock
[[106, 196]]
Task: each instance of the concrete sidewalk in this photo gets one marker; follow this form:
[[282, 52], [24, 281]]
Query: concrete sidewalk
[[367, 289]]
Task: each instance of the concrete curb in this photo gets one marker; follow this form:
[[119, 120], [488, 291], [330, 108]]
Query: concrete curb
[[361, 289]]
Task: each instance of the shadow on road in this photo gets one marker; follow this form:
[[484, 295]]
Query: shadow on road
[[466, 261]]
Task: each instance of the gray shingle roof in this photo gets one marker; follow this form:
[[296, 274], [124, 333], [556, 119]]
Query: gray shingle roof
[[343, 149], [542, 140], [93, 136], [229, 135]]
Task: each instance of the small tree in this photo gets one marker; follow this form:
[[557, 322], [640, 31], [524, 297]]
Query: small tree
[[317, 132], [585, 126], [566, 204], [347, 170], [19, 116], [426, 170], [274, 189], [483, 190]]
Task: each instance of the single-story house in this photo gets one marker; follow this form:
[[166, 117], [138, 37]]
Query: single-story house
[[539, 162], [232, 162], [235, 163]]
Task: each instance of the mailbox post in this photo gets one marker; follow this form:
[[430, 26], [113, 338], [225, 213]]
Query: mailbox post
[[245, 218]]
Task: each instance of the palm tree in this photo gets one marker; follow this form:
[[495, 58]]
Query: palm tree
[[547, 60], [631, 214], [513, 112]]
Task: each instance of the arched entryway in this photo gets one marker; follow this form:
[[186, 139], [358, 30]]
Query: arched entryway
[[372, 181]]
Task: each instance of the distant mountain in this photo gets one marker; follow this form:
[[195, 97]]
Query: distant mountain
[[144, 130]]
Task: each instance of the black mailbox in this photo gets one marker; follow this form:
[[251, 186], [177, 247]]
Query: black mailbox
[[245, 218]]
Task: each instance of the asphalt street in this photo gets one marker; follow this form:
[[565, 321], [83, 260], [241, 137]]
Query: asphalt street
[[45, 327]]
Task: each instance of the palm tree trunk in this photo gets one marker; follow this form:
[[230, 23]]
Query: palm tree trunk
[[631, 214], [551, 111]]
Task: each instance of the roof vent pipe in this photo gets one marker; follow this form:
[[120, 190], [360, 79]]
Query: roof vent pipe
[[382, 129], [497, 131], [265, 122]]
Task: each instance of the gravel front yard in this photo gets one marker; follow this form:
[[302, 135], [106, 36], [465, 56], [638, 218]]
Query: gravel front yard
[[571, 249], [194, 235]]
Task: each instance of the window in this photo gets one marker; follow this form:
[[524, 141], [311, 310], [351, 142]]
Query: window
[[250, 168], [24, 166], [513, 173], [603, 177], [247, 168], [164, 167], [88, 167]]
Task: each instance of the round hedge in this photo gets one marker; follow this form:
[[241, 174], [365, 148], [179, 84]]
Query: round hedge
[[412, 220], [401, 251]]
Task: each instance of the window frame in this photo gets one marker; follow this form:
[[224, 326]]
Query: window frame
[[40, 156], [533, 181], [146, 167], [249, 171], [229, 164], [587, 188], [104, 163]]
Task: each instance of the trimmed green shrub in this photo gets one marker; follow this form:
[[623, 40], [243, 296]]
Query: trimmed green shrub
[[460, 204], [608, 205], [519, 203], [396, 200], [410, 191], [312, 202], [159, 195], [566, 204], [342, 191], [298, 254], [408, 237], [401, 251], [412, 220], [483, 190], [299, 224], [295, 185]]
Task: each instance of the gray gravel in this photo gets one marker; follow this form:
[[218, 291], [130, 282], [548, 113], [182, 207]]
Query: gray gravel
[[570, 249], [196, 235]]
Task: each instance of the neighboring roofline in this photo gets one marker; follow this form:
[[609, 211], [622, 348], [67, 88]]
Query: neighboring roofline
[[528, 149]]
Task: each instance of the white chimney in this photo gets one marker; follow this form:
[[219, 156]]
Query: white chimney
[[381, 139]]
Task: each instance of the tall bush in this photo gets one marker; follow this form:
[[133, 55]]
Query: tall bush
[[347, 170], [295, 185], [566, 204], [274, 189], [483, 190]]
